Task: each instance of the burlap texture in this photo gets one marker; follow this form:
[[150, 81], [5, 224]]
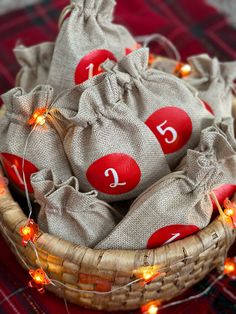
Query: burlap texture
[[69, 214], [182, 197], [44, 148], [214, 80], [145, 91], [104, 125], [89, 27], [35, 62]]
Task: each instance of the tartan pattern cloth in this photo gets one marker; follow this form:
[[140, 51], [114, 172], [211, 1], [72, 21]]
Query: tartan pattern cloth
[[194, 27]]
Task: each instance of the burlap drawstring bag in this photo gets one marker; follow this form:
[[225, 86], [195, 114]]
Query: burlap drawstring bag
[[87, 38], [179, 204], [167, 105], [109, 148], [35, 62], [214, 80], [38, 145], [68, 213]]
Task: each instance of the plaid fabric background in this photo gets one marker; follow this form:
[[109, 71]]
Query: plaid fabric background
[[194, 27]]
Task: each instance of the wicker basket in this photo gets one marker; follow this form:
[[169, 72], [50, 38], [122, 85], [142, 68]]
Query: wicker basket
[[102, 270]]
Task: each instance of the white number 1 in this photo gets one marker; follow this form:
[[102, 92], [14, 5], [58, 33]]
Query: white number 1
[[17, 174], [115, 176], [175, 236], [90, 68], [170, 129]]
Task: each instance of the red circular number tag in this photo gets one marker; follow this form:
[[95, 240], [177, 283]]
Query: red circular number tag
[[90, 65], [169, 234], [223, 192], [13, 166], [114, 174], [172, 127], [207, 107]]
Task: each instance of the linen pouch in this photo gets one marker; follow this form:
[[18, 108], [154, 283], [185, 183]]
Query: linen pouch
[[214, 80], [108, 147], [69, 214], [35, 62], [166, 104], [30, 147], [87, 38], [179, 204]]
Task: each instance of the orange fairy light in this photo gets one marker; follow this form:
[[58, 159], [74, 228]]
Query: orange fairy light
[[151, 307], [29, 232], [40, 279], [148, 273], [3, 184], [38, 117], [230, 212], [182, 70], [230, 267]]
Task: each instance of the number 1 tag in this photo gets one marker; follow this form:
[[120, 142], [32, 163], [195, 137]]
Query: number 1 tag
[[12, 164]]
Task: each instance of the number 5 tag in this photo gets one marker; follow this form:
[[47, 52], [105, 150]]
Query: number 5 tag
[[172, 127]]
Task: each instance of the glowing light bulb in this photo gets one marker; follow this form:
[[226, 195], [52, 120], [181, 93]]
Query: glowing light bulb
[[151, 307], [29, 232], [148, 273], [40, 279], [3, 185], [38, 117], [229, 212], [230, 267], [182, 70], [26, 230]]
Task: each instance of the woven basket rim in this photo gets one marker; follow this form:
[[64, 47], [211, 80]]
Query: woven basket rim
[[45, 238]]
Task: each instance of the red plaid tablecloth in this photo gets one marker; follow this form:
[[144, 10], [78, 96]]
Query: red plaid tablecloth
[[194, 27]]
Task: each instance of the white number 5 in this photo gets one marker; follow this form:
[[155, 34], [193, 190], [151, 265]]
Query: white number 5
[[170, 129]]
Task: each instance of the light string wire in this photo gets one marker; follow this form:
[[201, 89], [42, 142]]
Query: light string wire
[[23, 173], [58, 283], [8, 297], [54, 282], [163, 41]]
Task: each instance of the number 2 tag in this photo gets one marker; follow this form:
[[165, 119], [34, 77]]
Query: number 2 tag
[[172, 127], [114, 174]]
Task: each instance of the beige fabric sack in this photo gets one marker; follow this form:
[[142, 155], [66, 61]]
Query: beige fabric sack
[[35, 62], [167, 105], [215, 81], [40, 145], [109, 148], [69, 214], [179, 204], [87, 38]]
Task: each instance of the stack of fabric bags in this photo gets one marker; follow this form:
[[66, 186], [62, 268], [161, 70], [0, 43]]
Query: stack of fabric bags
[[118, 152]]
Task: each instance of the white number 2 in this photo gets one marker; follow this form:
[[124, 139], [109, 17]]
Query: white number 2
[[115, 177], [170, 129]]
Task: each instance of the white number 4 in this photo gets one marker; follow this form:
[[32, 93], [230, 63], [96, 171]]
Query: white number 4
[[167, 129]]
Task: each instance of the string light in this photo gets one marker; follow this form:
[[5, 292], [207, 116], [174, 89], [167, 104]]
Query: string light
[[151, 307], [230, 211], [230, 267], [29, 232], [148, 273], [40, 279], [38, 117], [182, 70], [3, 184]]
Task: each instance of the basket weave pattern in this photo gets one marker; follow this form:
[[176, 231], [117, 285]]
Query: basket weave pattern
[[102, 270]]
